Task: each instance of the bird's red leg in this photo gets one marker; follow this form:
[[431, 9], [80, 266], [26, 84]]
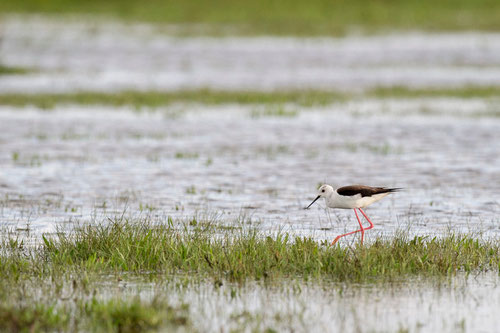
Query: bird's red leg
[[366, 217], [353, 232], [361, 226]]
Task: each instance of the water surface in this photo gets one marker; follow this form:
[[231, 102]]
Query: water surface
[[105, 56], [230, 161], [458, 304]]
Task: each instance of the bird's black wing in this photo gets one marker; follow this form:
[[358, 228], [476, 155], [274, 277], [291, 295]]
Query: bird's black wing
[[365, 191]]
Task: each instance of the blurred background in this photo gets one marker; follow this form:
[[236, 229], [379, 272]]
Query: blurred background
[[278, 17], [239, 109]]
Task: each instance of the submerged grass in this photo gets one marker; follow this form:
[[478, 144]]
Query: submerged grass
[[93, 315], [154, 98], [292, 17], [204, 250]]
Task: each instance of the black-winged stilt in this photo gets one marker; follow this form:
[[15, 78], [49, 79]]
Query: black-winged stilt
[[352, 197]]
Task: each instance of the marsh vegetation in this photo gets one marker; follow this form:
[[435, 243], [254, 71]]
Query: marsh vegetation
[[204, 249], [273, 102], [116, 276]]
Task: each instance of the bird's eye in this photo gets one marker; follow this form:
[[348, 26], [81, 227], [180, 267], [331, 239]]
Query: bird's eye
[[323, 190]]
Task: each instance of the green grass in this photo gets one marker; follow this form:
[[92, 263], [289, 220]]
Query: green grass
[[9, 70], [152, 99], [158, 98], [75, 281], [203, 249], [285, 17]]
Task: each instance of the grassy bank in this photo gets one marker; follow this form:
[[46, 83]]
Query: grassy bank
[[204, 96], [202, 249], [316, 17]]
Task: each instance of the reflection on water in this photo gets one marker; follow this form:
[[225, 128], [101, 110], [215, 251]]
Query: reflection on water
[[459, 304]]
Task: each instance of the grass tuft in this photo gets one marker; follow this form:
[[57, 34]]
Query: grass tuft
[[203, 249]]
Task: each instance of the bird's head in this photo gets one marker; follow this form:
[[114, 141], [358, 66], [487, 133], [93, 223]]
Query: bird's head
[[324, 191]]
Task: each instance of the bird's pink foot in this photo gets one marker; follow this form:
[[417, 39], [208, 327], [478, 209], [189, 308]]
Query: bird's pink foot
[[336, 240]]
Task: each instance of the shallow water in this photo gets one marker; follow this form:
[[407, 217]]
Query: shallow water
[[458, 304], [100, 56], [77, 164]]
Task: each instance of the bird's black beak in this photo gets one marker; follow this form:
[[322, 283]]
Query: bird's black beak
[[319, 196]]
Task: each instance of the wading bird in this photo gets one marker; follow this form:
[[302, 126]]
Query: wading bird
[[352, 197]]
